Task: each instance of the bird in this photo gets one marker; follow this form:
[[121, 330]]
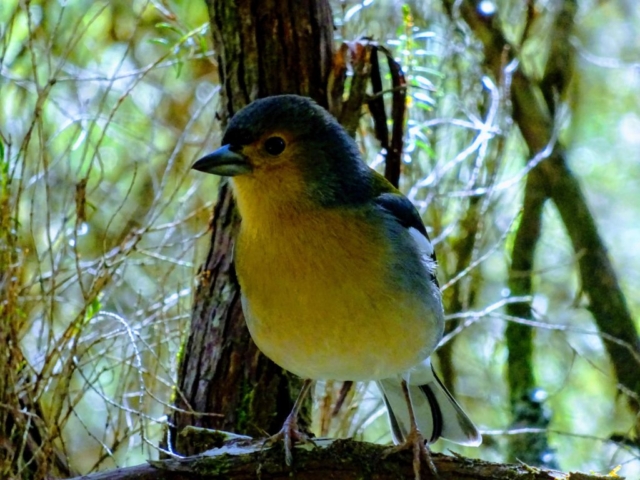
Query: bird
[[336, 270]]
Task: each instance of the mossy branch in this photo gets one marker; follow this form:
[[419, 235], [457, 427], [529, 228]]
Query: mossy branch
[[335, 459]]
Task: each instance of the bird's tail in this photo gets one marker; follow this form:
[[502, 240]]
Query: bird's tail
[[437, 413]]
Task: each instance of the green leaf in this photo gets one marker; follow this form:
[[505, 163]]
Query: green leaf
[[425, 147], [168, 26], [92, 309], [159, 41]]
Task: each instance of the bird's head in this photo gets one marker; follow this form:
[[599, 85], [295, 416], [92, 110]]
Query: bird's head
[[288, 144]]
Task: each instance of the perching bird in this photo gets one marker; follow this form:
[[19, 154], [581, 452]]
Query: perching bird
[[336, 271]]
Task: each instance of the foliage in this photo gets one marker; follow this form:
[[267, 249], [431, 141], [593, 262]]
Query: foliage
[[105, 105], [102, 124]]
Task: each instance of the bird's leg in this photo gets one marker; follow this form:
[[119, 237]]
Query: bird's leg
[[289, 431], [415, 441]]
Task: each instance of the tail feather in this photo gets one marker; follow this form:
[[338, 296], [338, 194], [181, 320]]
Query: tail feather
[[398, 432], [437, 413]]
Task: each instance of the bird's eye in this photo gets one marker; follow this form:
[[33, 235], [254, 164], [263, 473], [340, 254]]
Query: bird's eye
[[274, 145]]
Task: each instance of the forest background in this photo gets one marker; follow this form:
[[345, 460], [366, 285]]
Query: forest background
[[105, 105]]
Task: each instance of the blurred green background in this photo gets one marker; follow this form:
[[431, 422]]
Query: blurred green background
[[104, 105]]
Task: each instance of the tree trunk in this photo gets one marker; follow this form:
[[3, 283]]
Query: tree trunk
[[263, 48]]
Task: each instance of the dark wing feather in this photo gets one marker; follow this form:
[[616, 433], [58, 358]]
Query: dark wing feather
[[404, 211], [401, 208]]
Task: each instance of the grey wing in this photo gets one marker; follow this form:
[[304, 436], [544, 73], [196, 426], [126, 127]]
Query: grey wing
[[401, 208]]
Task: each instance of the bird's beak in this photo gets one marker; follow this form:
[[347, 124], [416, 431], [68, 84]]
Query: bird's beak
[[224, 162]]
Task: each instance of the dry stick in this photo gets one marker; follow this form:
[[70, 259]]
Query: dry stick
[[398, 110], [393, 149], [349, 118], [337, 80], [376, 105]]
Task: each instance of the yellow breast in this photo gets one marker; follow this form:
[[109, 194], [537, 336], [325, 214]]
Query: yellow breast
[[317, 299]]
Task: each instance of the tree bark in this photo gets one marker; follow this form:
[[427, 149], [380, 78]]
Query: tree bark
[[263, 48]]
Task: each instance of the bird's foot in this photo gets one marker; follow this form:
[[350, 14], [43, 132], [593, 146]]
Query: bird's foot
[[289, 434], [421, 453]]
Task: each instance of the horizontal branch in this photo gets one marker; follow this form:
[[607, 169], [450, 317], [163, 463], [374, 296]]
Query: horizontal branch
[[335, 459]]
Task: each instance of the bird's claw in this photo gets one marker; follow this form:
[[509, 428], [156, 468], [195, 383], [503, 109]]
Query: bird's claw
[[416, 442], [288, 435]]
